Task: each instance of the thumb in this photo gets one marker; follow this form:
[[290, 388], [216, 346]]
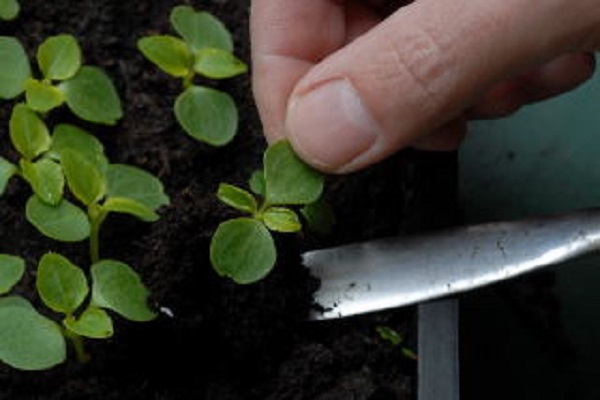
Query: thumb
[[416, 71]]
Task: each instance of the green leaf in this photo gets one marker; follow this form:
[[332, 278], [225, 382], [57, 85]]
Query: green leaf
[[91, 95], [14, 68], [28, 340], [93, 323], [7, 170], [288, 179], [46, 179], [86, 182], [131, 207], [117, 287], [29, 134], [59, 57], [243, 250], [126, 181], [281, 219], [237, 198], [11, 272], [207, 115], [70, 137], [169, 53], [42, 96], [389, 334], [200, 29], [9, 9], [257, 182], [218, 64], [64, 222], [319, 216], [61, 285]]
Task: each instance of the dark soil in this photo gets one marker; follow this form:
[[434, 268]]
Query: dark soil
[[222, 341]]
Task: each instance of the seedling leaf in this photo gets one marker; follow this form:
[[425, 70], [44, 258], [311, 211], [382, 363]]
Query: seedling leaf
[[28, 132], [218, 64], [11, 272], [281, 219], [86, 182], [7, 170], [64, 222], [237, 198], [126, 181], [9, 9], [14, 68], [207, 115], [131, 207], [288, 179], [243, 250], [200, 29], [28, 340], [169, 53], [41, 96], [257, 182], [59, 57], [61, 285], [94, 323], [119, 288], [91, 95], [70, 137], [46, 179]]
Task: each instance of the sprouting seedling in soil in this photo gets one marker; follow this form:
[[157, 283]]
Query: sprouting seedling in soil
[[243, 248], [394, 338], [72, 158], [31, 341], [204, 48], [9, 9], [86, 90]]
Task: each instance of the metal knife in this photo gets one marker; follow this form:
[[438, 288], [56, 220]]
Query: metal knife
[[399, 271]]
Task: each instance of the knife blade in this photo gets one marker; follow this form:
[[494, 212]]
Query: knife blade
[[398, 271]]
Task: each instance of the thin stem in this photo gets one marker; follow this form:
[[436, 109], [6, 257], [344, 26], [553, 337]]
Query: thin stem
[[188, 80], [96, 216], [78, 345]]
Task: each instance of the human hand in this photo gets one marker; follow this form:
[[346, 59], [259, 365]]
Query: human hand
[[349, 85]]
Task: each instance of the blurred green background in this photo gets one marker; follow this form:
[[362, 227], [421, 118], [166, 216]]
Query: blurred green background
[[537, 338]]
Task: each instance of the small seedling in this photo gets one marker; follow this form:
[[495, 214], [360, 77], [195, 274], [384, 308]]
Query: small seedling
[[393, 337], [203, 48], [31, 341], [86, 90], [243, 248], [9, 9]]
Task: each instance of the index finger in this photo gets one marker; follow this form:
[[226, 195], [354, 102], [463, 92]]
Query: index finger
[[288, 38]]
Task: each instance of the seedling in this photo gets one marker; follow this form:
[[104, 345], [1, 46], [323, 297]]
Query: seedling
[[65, 166], [9, 9], [203, 48], [31, 341], [86, 90], [73, 158], [394, 338], [243, 248]]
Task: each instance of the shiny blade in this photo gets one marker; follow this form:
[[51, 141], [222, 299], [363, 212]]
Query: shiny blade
[[399, 271]]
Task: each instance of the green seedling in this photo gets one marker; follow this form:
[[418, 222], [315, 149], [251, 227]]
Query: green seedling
[[72, 158], [243, 248], [30, 340], [203, 48], [393, 337], [86, 90], [9, 9]]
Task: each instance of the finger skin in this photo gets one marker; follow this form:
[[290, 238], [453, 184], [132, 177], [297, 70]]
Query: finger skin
[[413, 73]]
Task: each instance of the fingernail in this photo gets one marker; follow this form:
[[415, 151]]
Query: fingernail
[[329, 126]]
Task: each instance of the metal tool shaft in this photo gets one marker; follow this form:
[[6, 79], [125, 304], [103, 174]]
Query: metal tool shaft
[[399, 271]]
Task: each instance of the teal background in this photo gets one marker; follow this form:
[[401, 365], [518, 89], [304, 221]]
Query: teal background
[[544, 159]]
